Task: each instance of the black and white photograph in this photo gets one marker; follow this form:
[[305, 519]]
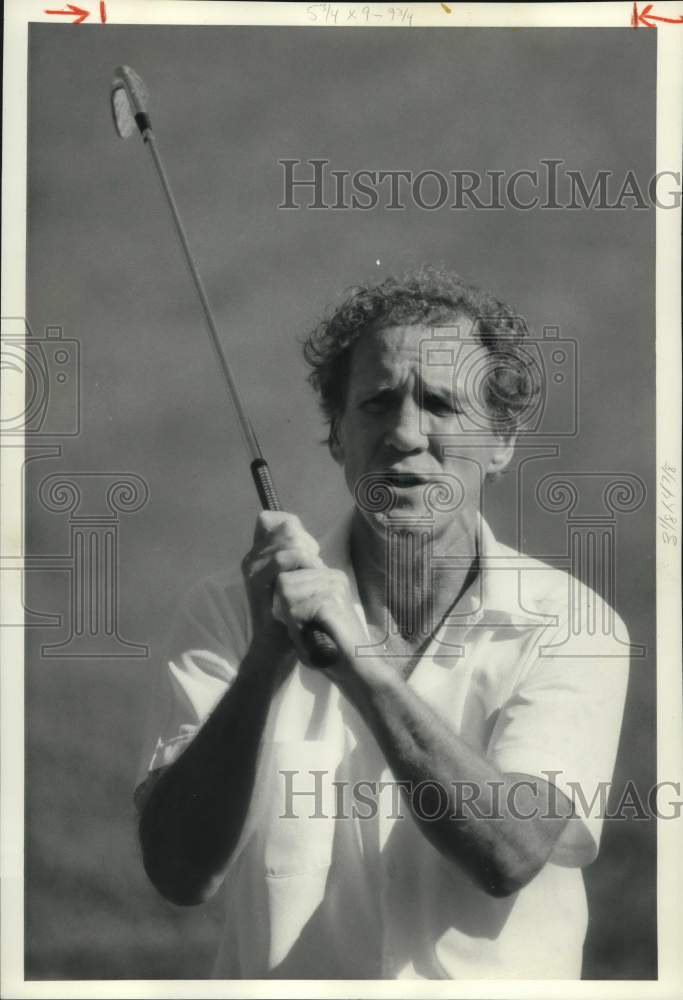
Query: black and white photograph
[[341, 510]]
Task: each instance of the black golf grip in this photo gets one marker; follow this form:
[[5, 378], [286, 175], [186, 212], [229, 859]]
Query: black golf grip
[[321, 648]]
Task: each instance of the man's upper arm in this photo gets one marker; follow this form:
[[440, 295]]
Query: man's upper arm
[[145, 786]]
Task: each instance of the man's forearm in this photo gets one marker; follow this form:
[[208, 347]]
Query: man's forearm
[[192, 820], [501, 851]]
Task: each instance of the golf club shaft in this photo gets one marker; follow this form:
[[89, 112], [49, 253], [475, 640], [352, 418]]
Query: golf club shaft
[[251, 443], [322, 649]]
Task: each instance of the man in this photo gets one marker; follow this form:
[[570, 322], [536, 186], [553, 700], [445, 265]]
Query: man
[[407, 811]]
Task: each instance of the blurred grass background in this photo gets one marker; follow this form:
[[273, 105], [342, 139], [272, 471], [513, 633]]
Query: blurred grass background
[[103, 263]]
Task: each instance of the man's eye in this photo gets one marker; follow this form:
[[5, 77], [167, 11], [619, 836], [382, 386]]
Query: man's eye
[[442, 407], [376, 404]]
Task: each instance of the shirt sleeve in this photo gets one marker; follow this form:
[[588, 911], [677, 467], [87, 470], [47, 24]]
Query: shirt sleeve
[[209, 639], [563, 719]]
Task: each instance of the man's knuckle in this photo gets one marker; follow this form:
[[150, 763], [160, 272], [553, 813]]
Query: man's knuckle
[[281, 558], [283, 583], [265, 519]]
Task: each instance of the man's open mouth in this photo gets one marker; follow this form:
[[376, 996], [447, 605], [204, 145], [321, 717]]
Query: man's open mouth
[[404, 480]]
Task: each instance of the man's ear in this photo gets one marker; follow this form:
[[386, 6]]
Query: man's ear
[[501, 454], [334, 442]]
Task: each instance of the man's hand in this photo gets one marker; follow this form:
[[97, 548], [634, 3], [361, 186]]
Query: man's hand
[[323, 596], [289, 586], [280, 546]]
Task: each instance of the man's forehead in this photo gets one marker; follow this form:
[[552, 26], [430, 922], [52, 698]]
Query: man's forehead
[[439, 354]]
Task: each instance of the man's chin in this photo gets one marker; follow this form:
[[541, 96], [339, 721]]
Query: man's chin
[[399, 494], [398, 505]]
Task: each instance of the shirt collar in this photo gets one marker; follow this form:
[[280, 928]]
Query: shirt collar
[[493, 599], [495, 596]]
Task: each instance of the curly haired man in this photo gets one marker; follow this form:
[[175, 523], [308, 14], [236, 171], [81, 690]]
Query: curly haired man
[[407, 811]]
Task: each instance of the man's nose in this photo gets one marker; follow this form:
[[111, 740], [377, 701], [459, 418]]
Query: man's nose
[[406, 432]]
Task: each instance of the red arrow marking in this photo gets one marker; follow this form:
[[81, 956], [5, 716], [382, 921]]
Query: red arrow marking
[[73, 11], [103, 12], [646, 18]]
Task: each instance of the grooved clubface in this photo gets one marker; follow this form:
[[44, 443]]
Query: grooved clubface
[[122, 112], [128, 98]]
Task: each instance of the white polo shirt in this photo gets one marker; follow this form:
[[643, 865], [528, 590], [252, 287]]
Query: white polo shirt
[[332, 878]]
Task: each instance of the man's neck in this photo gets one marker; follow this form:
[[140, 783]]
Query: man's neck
[[403, 592]]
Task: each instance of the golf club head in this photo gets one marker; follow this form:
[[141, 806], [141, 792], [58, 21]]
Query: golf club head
[[128, 99]]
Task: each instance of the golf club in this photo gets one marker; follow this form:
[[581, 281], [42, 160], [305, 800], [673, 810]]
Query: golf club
[[129, 103]]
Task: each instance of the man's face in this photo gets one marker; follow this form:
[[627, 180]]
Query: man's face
[[403, 421]]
